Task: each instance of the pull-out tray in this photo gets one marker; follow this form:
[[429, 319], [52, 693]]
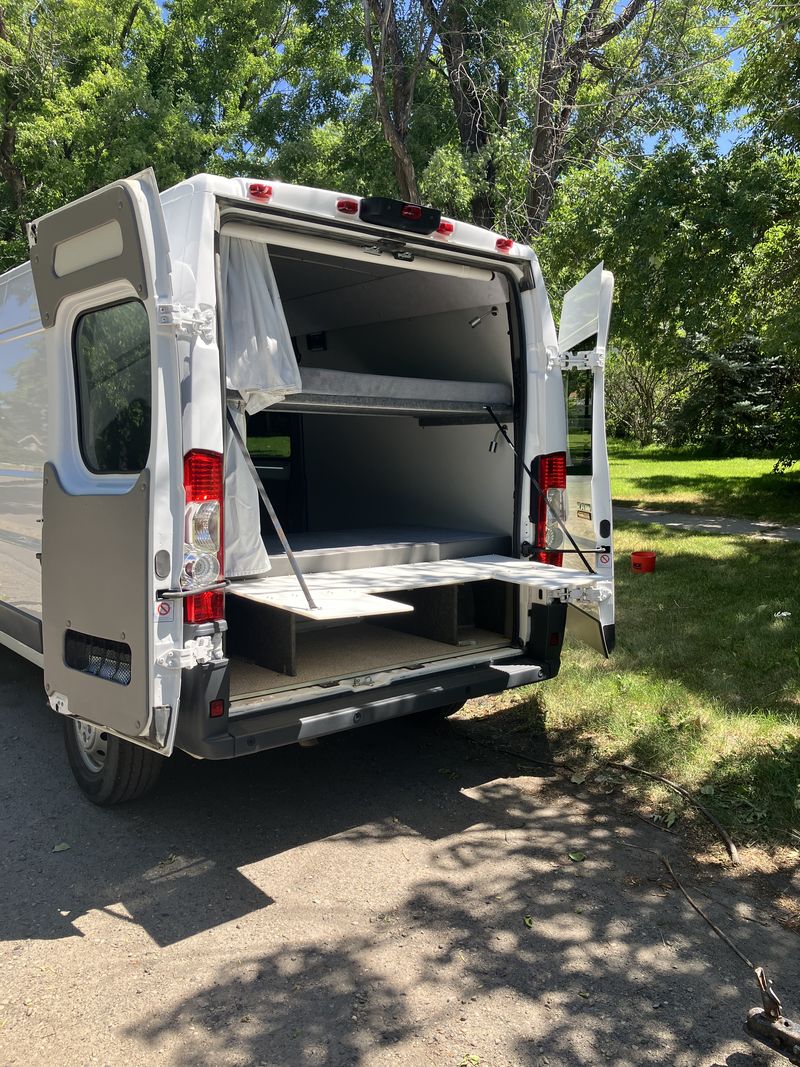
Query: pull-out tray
[[262, 615], [352, 594]]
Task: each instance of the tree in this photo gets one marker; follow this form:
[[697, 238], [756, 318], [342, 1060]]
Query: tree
[[93, 92], [399, 46], [536, 89]]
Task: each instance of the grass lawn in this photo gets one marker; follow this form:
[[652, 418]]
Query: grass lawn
[[704, 686], [683, 481]]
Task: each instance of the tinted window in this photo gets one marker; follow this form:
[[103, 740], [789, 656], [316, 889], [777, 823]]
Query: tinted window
[[112, 368]]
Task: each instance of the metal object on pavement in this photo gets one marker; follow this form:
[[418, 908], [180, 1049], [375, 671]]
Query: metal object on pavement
[[769, 1025]]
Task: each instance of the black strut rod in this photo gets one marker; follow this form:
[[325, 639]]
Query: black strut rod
[[543, 495], [265, 500]]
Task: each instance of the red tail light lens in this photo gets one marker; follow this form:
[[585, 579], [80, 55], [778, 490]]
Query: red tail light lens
[[203, 552], [347, 207], [445, 228], [204, 607], [202, 476], [551, 474], [504, 244], [260, 191]]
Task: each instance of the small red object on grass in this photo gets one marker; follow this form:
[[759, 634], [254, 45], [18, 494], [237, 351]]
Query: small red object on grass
[[643, 562]]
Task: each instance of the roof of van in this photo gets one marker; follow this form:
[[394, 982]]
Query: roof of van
[[333, 206]]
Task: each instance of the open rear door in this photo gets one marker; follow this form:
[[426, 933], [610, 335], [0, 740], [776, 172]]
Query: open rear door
[[113, 496], [582, 339]]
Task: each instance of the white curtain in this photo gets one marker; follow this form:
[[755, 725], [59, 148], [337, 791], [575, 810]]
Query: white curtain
[[262, 369]]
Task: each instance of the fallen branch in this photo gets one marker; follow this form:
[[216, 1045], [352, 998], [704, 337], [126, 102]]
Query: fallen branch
[[731, 847]]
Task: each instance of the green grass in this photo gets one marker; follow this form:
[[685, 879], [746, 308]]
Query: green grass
[[704, 686], [278, 447], [683, 481]]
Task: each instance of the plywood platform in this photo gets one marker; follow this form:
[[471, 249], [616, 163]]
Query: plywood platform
[[333, 655], [351, 594]]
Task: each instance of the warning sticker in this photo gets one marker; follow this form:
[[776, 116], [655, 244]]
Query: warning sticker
[[165, 609]]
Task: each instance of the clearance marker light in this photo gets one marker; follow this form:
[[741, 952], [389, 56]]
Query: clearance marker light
[[347, 207], [260, 191], [504, 244]]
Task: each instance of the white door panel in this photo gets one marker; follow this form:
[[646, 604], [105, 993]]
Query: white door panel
[[113, 496]]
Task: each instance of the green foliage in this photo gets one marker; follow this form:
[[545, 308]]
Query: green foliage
[[703, 244], [685, 480], [704, 249], [674, 699], [768, 84], [735, 401]]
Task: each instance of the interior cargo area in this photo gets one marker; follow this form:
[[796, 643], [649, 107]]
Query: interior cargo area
[[386, 458]]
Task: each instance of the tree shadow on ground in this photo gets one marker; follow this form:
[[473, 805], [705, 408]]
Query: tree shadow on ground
[[502, 948], [768, 497], [443, 916]]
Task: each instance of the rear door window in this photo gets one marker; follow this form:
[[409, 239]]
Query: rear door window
[[578, 395], [114, 387]]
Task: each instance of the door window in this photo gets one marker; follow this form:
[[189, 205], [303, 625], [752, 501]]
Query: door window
[[113, 380], [578, 395]]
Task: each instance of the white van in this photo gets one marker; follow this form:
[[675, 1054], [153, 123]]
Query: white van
[[277, 462]]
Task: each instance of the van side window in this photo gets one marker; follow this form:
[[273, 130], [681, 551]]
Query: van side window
[[112, 371]]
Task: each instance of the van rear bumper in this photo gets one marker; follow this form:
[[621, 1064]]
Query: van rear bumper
[[263, 730]]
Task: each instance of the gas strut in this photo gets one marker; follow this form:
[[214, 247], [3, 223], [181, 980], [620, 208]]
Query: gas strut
[[265, 500], [501, 429]]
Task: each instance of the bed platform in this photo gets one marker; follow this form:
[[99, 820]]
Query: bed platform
[[344, 392], [381, 546]]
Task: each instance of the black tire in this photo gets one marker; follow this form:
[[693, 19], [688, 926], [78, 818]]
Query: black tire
[[118, 771]]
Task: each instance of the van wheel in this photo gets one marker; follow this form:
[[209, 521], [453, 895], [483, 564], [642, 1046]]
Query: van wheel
[[108, 770]]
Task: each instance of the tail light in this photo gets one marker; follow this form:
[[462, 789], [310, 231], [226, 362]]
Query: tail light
[[551, 474], [203, 559], [504, 244]]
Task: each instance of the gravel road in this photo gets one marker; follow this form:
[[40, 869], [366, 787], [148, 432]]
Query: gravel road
[[357, 904]]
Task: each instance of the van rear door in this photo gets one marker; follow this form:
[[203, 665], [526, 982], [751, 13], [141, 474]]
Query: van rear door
[[582, 340], [113, 491]]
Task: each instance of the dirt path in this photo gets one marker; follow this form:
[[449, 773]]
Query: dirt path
[[709, 523], [359, 903]]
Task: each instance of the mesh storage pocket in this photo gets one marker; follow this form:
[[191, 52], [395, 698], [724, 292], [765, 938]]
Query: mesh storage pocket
[[99, 656]]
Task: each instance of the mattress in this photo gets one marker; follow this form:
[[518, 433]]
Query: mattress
[[344, 390]]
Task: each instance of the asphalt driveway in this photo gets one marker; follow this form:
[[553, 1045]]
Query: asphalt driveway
[[395, 895]]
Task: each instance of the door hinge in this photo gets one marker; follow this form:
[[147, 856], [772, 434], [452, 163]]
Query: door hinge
[[575, 360], [593, 594], [188, 322], [201, 650]]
